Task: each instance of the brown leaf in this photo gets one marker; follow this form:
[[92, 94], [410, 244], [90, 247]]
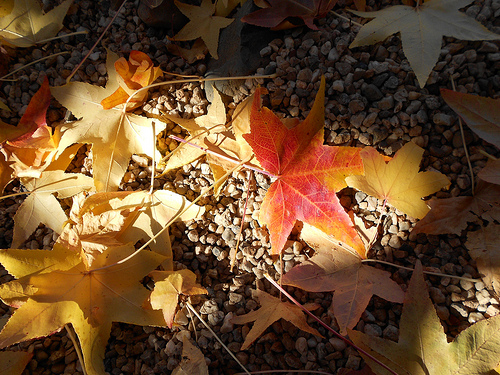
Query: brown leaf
[[491, 172], [271, 310], [333, 268]]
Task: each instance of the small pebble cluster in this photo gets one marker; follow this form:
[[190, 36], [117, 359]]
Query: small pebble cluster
[[373, 100]]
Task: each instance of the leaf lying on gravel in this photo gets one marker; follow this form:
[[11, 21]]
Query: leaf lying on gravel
[[169, 285], [481, 114], [30, 146], [14, 363], [134, 74], [64, 290], [202, 24], [271, 310], [491, 172], [27, 25], [308, 175], [484, 248], [113, 144], [451, 215], [193, 360], [333, 268], [423, 348], [277, 11], [422, 30], [398, 181]]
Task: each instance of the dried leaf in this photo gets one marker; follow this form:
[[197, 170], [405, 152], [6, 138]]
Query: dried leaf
[[422, 347], [202, 24], [197, 51], [113, 144], [399, 182], [481, 114], [271, 310], [169, 285], [308, 175], [451, 215], [6, 7], [193, 360], [13, 363], [134, 74], [333, 268], [422, 30], [68, 292], [491, 172], [27, 25], [484, 248]]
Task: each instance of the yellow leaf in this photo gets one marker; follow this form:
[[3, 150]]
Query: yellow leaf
[[6, 7], [27, 25], [202, 24], [398, 181], [422, 30], [87, 298], [169, 285], [271, 310], [114, 137]]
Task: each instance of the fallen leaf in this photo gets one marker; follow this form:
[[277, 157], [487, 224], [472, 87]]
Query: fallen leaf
[[278, 11], [27, 25], [6, 7], [134, 74], [308, 175], [5, 173], [271, 310], [398, 181], [30, 146], [423, 349], [225, 7], [485, 250], [113, 144], [169, 285], [202, 24], [68, 292], [14, 363], [193, 360], [333, 268], [481, 114], [197, 51], [491, 172], [422, 29], [451, 215]]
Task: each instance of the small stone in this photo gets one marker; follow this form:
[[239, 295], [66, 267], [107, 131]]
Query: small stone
[[492, 310], [209, 307], [458, 310], [443, 312], [337, 85], [373, 330], [437, 295], [227, 325], [353, 362], [372, 93], [391, 332], [228, 235], [386, 103], [305, 75], [442, 119], [301, 345], [475, 317], [338, 344]]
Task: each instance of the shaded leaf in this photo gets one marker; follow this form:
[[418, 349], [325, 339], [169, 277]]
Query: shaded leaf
[[202, 24], [27, 25], [491, 172], [308, 175], [422, 30], [484, 248], [169, 285], [13, 363], [481, 114], [451, 215], [423, 349], [333, 268], [271, 310], [398, 181], [193, 360]]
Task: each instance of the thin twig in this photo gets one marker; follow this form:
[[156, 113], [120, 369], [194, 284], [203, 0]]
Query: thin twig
[[217, 338], [426, 272], [327, 326], [463, 142], [346, 18], [76, 346]]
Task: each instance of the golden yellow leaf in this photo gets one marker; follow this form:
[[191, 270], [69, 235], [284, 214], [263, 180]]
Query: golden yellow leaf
[[69, 292], [6, 7], [398, 181], [202, 24], [169, 285], [27, 25]]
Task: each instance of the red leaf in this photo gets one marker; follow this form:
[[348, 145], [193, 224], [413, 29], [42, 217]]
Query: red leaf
[[279, 10], [308, 175]]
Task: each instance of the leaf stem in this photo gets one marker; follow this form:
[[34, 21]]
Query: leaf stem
[[463, 142], [326, 326], [426, 272], [228, 158], [217, 337], [76, 346], [346, 18], [489, 156]]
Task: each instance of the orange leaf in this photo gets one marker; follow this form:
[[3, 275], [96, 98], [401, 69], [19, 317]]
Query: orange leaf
[[134, 74], [30, 146], [308, 175]]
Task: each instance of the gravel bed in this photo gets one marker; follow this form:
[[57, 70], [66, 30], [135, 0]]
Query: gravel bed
[[372, 100]]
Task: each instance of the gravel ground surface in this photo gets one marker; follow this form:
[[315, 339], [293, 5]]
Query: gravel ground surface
[[372, 100]]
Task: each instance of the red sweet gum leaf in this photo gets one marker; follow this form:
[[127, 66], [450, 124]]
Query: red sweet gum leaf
[[279, 10], [308, 174]]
